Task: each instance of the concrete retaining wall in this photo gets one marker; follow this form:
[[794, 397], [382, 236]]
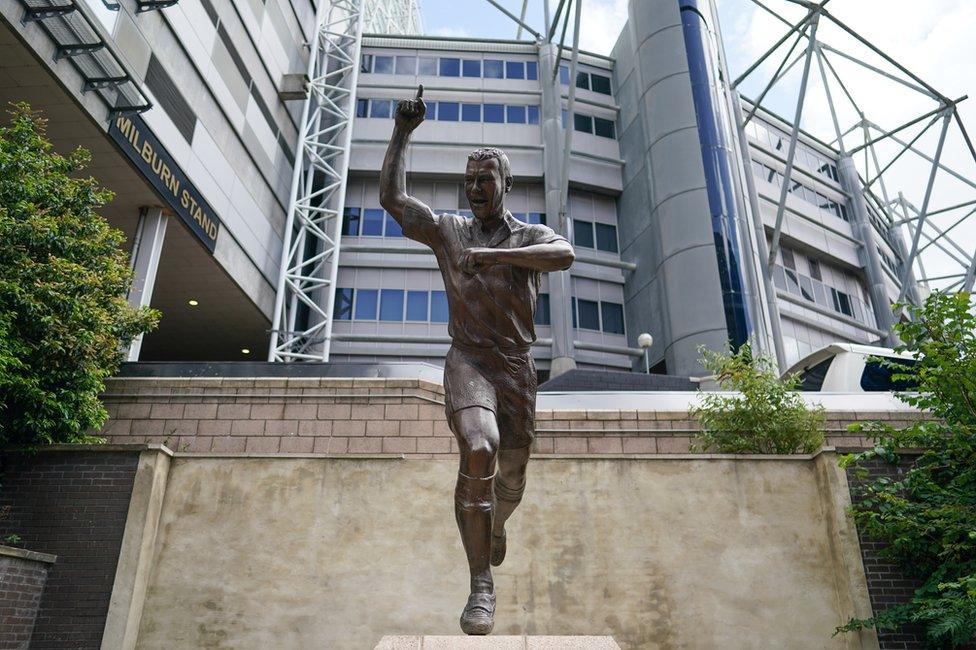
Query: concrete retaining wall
[[659, 551], [401, 416]]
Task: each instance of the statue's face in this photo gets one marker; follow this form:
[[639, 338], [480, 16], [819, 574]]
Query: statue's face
[[485, 188]]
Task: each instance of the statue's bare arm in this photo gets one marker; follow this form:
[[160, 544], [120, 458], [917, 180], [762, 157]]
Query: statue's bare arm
[[554, 256], [393, 176]]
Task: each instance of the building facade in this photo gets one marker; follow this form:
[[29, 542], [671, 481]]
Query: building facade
[[193, 112]]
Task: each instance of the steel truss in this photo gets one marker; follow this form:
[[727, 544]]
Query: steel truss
[[886, 213], [392, 17], [302, 324]]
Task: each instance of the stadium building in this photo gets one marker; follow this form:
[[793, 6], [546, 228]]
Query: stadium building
[[199, 115]]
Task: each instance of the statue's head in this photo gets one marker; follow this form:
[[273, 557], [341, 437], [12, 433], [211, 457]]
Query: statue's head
[[487, 179]]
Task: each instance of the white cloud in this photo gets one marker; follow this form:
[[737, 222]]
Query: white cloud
[[454, 31], [600, 24]]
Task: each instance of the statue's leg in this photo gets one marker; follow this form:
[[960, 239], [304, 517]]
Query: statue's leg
[[477, 434], [509, 486]]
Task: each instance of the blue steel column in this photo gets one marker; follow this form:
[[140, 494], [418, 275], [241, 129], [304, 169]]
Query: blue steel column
[[718, 161]]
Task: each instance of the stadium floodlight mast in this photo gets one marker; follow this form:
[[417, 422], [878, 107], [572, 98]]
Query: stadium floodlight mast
[[874, 207], [302, 321]]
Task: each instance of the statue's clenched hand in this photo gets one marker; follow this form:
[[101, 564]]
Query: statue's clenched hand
[[410, 112], [474, 260]]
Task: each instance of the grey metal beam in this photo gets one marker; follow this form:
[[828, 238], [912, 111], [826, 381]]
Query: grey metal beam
[[887, 133], [518, 32], [801, 24], [515, 18], [879, 71], [555, 19]]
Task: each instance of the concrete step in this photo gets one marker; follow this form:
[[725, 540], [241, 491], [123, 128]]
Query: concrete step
[[497, 643]]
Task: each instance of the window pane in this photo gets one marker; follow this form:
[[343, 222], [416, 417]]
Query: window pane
[[531, 70], [515, 114], [582, 80], [521, 216], [383, 65], [366, 300], [406, 65], [471, 68], [603, 128], [372, 223], [806, 288], [583, 233], [366, 63], [379, 107], [417, 305], [532, 113], [583, 123], [392, 227], [450, 67], [589, 314], [613, 317], [537, 217], [350, 222], [470, 112], [514, 70], [542, 310], [362, 107], [391, 304], [494, 69], [563, 115], [438, 307], [600, 84], [573, 310], [606, 237], [343, 304], [564, 75], [494, 113], [447, 111], [431, 110], [427, 65]]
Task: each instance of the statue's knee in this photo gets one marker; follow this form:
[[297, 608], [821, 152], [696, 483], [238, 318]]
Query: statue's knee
[[480, 454]]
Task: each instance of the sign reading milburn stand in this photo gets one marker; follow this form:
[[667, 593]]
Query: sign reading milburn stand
[[141, 145]]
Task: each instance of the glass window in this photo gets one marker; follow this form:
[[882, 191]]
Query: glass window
[[573, 310], [583, 233], [515, 114], [842, 302], [600, 84], [391, 304], [613, 317], [372, 223], [366, 63], [438, 307], [470, 112], [494, 69], [812, 378], [447, 111], [531, 70], [792, 282], [603, 128], [366, 303], [814, 269], [878, 376], [589, 314], [606, 237], [806, 288], [392, 227], [406, 65], [450, 67], [427, 65], [582, 80], [362, 107], [514, 70], [379, 107], [564, 75], [537, 217], [383, 65], [342, 309], [521, 216], [431, 110], [350, 222], [417, 305], [542, 310], [471, 68], [532, 114], [494, 113], [788, 260], [583, 123], [563, 115]]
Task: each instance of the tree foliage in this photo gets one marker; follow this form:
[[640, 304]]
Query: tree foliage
[[767, 416], [64, 277], [927, 518]]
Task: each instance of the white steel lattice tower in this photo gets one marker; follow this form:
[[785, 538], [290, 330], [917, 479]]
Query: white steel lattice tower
[[392, 17]]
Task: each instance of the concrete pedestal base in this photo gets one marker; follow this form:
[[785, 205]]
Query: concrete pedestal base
[[497, 643]]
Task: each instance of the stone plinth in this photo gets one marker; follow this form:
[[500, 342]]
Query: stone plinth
[[497, 643]]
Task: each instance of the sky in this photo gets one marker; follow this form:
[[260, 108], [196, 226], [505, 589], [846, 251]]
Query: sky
[[933, 39]]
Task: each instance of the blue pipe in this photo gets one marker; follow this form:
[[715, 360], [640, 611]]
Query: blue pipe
[[718, 161]]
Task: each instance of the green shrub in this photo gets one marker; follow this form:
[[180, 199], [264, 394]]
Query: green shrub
[[64, 277], [768, 416], [927, 518]]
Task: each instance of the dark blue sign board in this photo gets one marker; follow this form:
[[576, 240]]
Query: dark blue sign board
[[143, 148]]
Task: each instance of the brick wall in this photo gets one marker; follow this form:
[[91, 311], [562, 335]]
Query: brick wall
[[403, 416], [887, 583], [73, 505], [22, 577]]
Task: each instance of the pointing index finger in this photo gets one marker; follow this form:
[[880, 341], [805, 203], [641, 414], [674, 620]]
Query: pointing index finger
[[420, 91]]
